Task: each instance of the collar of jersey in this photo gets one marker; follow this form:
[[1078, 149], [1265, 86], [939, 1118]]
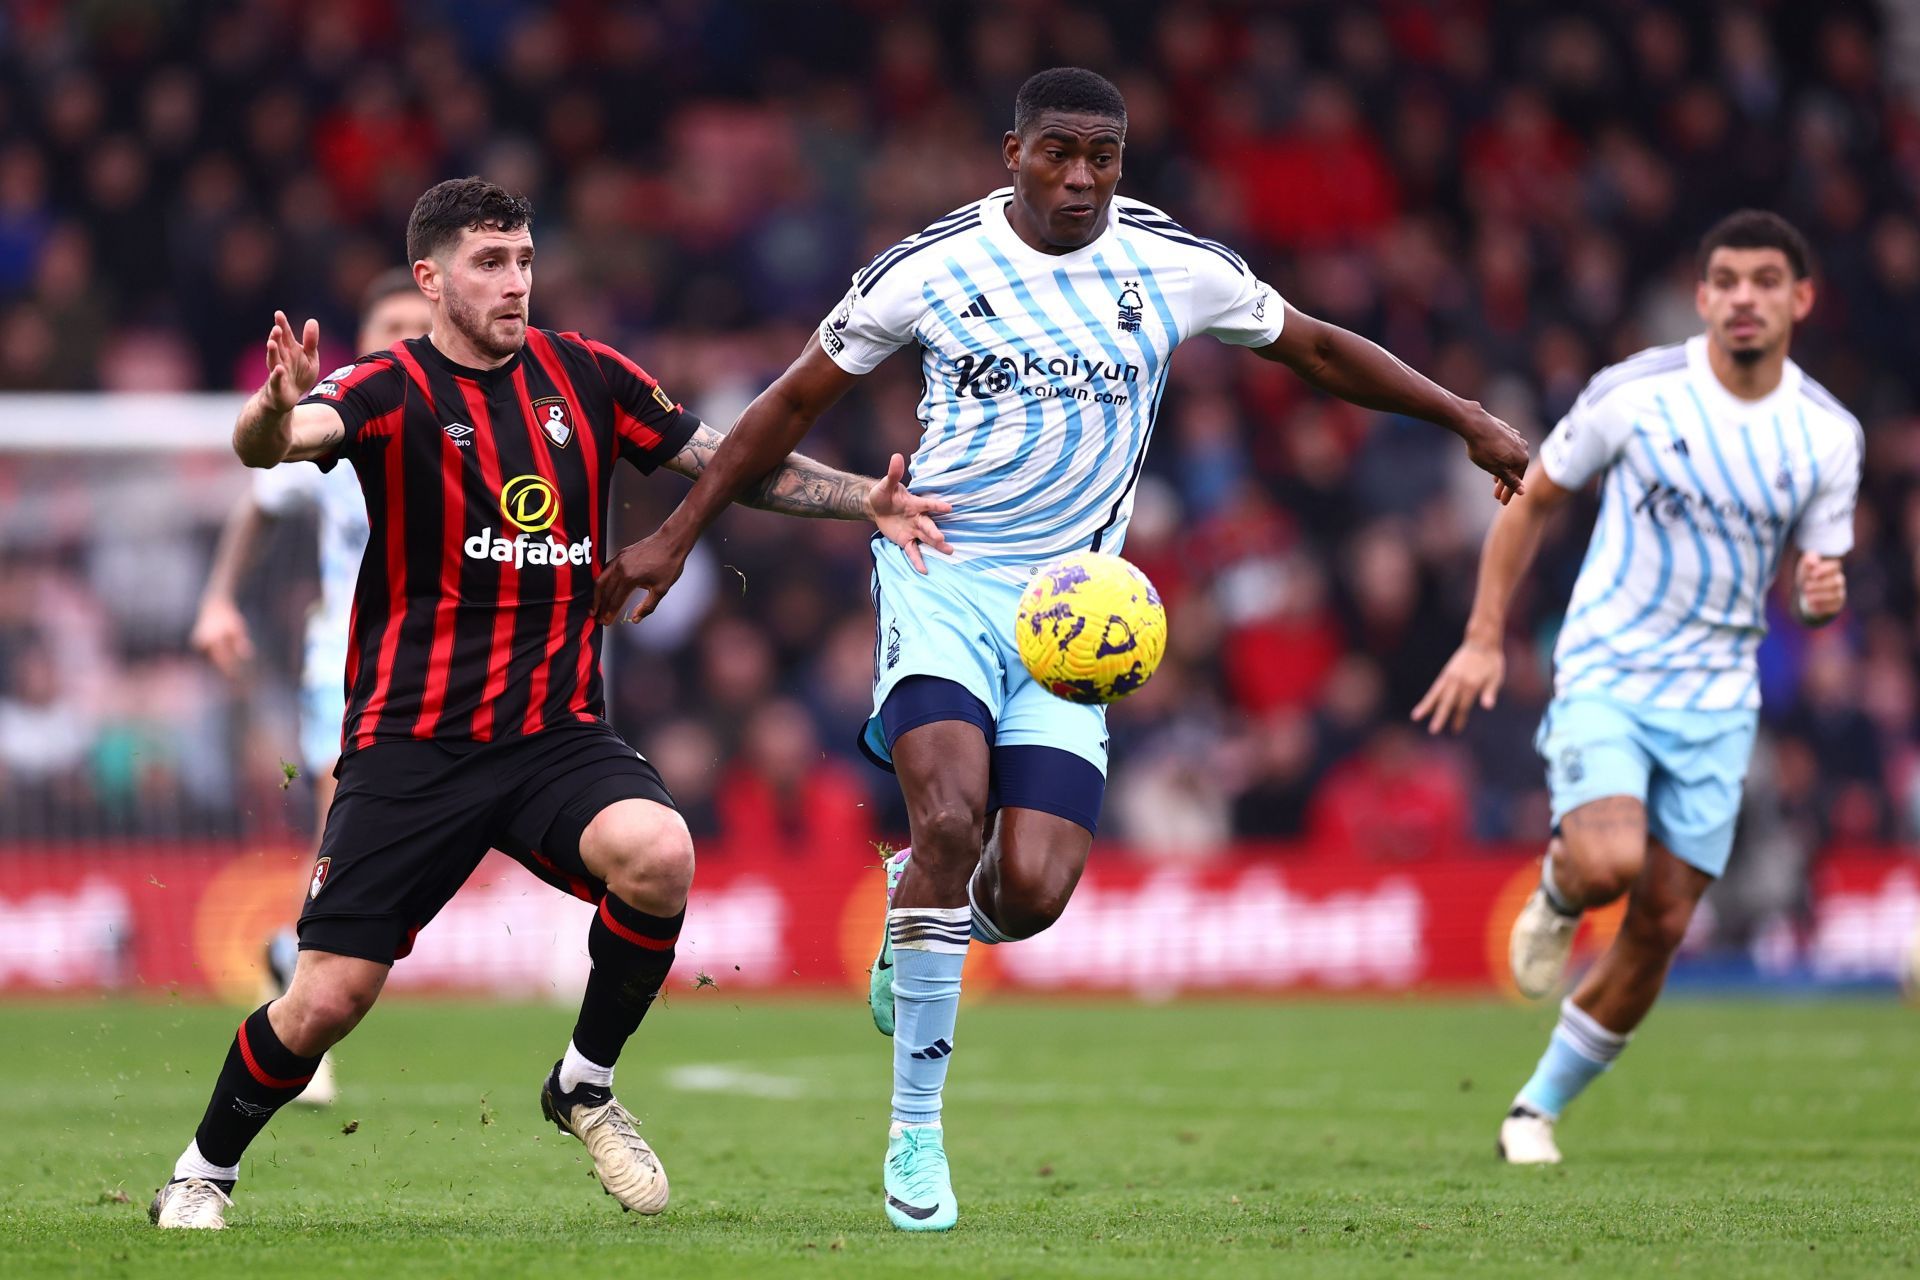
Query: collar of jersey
[[427, 351], [1703, 371], [994, 219]]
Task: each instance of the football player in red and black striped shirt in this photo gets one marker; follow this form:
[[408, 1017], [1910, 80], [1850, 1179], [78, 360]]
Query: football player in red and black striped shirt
[[474, 713]]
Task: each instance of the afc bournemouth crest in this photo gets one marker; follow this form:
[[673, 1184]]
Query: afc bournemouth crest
[[320, 870], [554, 420]]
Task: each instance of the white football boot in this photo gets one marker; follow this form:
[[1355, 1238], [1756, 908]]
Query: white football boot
[[1526, 1137], [192, 1203], [323, 1089], [1538, 949], [622, 1160]]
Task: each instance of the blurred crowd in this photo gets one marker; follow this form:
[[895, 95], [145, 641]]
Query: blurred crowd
[[1507, 195]]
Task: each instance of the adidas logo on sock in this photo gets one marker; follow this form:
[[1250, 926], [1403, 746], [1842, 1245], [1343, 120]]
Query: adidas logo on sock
[[933, 1052], [979, 308]]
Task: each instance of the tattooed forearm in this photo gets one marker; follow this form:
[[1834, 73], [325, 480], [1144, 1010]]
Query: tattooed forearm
[[797, 487], [802, 487]]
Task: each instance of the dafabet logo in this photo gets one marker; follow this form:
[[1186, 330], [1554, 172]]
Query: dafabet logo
[[530, 505]]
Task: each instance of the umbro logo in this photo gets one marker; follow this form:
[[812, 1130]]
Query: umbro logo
[[978, 309], [933, 1052], [253, 1109], [458, 433]]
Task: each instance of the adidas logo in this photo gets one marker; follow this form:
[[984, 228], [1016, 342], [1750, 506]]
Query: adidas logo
[[978, 309], [933, 1052]]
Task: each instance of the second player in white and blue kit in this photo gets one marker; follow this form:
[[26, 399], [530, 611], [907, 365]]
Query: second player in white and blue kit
[[1715, 457]]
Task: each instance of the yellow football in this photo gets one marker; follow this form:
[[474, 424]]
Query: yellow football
[[1091, 628]]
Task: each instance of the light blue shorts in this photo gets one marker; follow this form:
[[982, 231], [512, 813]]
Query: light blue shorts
[[1686, 767], [957, 624], [323, 705]]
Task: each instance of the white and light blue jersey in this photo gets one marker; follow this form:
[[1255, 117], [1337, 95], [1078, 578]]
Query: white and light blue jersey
[[1700, 493], [334, 496], [1043, 371]]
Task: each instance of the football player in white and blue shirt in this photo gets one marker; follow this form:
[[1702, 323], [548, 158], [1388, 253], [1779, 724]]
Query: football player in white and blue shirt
[[392, 310], [1712, 456], [1046, 314]]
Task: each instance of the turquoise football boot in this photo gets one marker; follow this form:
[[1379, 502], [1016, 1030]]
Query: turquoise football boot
[[880, 976], [919, 1186]]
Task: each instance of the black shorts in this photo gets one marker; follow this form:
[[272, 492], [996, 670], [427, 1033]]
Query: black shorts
[[411, 820]]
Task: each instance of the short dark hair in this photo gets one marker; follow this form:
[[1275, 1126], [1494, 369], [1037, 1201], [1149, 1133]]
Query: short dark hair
[[394, 280], [462, 204], [1071, 89], [1758, 229]]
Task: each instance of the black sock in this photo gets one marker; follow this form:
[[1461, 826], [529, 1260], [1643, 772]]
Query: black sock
[[632, 952], [260, 1076]]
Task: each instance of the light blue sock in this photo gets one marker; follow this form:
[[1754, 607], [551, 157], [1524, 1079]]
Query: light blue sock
[[1581, 1049], [984, 929], [929, 950]]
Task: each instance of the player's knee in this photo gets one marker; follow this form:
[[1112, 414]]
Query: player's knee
[[1598, 869], [644, 853], [1032, 898], [319, 1017], [947, 830]]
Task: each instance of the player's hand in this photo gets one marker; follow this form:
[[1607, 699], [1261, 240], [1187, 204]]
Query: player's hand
[[293, 365], [1473, 674], [1498, 450], [1820, 588], [906, 518], [220, 635], [650, 566]]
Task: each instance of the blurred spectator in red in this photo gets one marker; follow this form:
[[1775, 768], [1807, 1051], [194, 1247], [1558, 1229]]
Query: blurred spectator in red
[[783, 795], [1400, 800], [1321, 183]]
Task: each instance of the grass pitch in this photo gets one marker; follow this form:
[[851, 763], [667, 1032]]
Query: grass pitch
[[1196, 1139]]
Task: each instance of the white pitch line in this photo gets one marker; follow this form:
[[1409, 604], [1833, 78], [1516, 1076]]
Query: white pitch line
[[746, 1081], [718, 1077]]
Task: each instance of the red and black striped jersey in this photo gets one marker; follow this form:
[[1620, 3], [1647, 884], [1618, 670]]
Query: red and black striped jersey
[[487, 498]]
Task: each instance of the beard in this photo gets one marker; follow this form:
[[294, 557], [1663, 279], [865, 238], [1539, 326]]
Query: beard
[[1748, 356], [476, 329]]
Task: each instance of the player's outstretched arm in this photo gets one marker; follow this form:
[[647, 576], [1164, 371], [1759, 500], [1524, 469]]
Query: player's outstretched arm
[[274, 427], [1819, 589], [801, 486], [1344, 364], [1474, 674], [766, 433]]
